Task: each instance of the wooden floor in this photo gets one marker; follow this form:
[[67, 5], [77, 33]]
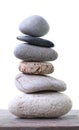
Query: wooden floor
[[68, 122]]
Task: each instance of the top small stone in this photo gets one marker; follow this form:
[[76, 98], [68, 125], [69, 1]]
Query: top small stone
[[34, 25]]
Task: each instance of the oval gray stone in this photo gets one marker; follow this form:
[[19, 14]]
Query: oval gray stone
[[35, 83], [28, 52], [47, 105], [34, 25]]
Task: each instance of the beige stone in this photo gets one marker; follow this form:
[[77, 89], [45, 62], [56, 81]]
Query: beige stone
[[40, 105], [36, 67]]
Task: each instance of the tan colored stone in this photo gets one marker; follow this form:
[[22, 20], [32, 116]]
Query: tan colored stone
[[36, 67]]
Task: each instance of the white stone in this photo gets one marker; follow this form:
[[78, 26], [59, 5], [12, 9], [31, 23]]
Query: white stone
[[40, 105], [35, 83]]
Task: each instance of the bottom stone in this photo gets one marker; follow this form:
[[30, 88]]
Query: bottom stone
[[42, 105]]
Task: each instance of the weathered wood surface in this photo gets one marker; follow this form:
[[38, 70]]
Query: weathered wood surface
[[67, 122]]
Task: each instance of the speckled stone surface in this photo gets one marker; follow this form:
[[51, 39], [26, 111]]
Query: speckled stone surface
[[40, 105], [34, 53], [36, 67]]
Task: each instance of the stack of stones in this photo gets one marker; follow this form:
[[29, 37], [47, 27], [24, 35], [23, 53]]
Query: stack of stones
[[42, 95]]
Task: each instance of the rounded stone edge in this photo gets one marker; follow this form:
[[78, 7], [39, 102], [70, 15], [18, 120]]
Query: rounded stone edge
[[20, 53], [14, 111], [34, 34], [56, 86]]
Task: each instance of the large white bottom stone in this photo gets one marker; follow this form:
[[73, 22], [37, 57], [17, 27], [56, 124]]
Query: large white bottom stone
[[45, 105]]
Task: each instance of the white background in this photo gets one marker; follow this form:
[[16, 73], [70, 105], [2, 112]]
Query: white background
[[63, 18]]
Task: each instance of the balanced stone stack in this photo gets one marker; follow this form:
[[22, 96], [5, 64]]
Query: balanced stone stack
[[42, 95]]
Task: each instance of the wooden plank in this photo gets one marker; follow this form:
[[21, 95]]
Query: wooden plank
[[68, 122]]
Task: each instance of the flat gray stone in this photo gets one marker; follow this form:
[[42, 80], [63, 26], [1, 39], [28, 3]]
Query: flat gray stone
[[40, 105], [35, 83], [34, 53], [36, 67], [34, 25], [36, 41]]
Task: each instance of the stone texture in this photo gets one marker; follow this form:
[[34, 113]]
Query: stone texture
[[34, 25], [40, 105], [35, 83], [36, 41], [36, 67], [10, 122], [34, 53]]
